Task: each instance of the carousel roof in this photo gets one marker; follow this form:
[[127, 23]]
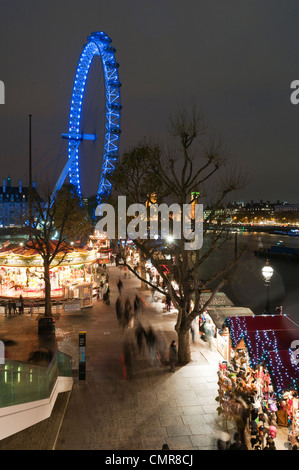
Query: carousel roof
[[29, 254], [269, 339], [32, 249]]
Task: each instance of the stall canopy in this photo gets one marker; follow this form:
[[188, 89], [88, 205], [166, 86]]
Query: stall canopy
[[271, 339], [220, 314]]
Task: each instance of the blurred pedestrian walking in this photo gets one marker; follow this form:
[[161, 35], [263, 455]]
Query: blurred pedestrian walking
[[209, 333], [223, 441], [151, 343], [238, 444], [21, 305], [173, 355], [119, 285], [127, 313], [126, 360], [136, 306], [140, 335], [168, 302], [118, 308], [153, 294], [106, 296], [192, 329], [161, 349]]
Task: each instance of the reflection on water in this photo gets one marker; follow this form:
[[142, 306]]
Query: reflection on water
[[247, 288]]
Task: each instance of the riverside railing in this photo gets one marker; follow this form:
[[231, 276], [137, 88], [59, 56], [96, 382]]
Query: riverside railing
[[22, 382]]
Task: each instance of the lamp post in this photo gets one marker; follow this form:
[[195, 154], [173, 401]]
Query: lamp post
[[267, 272]]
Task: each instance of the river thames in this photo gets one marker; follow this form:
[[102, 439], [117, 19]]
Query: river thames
[[246, 286]]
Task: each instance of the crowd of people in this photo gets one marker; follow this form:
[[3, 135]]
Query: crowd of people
[[103, 290], [246, 397], [149, 344], [13, 307], [144, 341]]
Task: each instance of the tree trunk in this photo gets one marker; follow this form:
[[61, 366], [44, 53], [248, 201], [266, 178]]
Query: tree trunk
[[184, 352], [48, 311]]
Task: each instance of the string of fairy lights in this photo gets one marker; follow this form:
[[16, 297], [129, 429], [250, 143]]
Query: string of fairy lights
[[263, 347]]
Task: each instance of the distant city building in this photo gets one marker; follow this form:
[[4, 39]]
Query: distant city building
[[254, 212], [287, 213], [287, 208], [14, 204]]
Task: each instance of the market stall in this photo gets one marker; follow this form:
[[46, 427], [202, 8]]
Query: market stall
[[100, 242], [80, 293], [263, 372], [219, 314]]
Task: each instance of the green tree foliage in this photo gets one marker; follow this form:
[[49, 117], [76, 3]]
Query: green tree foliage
[[55, 223]]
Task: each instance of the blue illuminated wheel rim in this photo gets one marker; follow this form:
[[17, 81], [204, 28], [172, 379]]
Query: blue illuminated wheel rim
[[99, 44]]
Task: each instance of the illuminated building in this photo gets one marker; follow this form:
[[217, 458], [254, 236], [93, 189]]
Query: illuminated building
[[14, 204]]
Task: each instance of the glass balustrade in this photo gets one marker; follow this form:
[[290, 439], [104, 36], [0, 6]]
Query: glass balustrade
[[22, 382]]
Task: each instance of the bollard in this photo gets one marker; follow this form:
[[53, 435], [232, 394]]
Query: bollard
[[82, 355]]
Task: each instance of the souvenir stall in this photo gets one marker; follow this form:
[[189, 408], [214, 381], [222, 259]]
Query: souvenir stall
[[294, 428], [263, 373], [243, 392], [223, 343], [153, 276], [101, 243], [22, 272]]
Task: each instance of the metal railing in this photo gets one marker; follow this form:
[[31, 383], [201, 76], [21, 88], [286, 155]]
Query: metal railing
[[22, 382]]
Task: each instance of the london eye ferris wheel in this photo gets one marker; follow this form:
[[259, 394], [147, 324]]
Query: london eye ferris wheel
[[98, 46]]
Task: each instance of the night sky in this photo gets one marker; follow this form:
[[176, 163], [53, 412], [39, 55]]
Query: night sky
[[234, 59]]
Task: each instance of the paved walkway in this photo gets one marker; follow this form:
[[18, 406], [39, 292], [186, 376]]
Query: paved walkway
[[106, 412]]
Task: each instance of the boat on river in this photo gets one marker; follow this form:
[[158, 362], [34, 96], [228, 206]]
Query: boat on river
[[279, 252]]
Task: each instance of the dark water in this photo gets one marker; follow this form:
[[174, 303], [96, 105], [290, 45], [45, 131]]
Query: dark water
[[246, 287]]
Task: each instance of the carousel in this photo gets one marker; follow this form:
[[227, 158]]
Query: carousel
[[22, 271]]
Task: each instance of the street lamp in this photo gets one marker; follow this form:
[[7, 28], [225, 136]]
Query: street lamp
[[169, 238], [267, 272]]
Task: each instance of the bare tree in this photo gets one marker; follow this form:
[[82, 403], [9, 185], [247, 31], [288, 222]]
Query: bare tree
[[52, 226], [194, 166]]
